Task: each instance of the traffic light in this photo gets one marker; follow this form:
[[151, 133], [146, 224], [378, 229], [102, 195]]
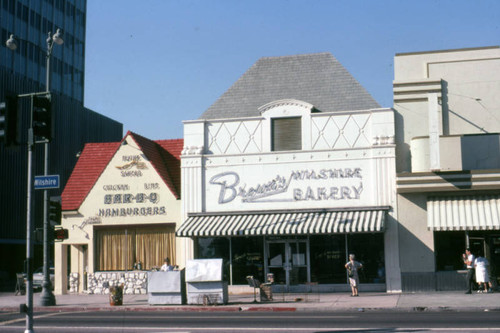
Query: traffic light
[[9, 122], [54, 212], [42, 117], [60, 234]]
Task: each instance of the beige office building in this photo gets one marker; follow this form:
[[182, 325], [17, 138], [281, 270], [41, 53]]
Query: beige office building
[[447, 107]]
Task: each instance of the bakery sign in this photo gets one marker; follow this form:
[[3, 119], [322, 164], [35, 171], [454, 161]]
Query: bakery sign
[[298, 185]]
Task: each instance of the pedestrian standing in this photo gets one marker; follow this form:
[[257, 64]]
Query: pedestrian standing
[[469, 259], [353, 267], [482, 277]]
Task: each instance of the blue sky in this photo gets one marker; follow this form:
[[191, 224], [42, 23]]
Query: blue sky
[[151, 64]]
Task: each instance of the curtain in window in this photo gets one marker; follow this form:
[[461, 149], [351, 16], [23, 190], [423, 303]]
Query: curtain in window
[[153, 245], [119, 249], [113, 249]]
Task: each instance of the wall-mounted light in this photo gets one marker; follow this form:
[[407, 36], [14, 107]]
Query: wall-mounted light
[[11, 43]]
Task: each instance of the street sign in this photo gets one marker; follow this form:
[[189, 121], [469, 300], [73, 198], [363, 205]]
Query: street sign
[[46, 182]]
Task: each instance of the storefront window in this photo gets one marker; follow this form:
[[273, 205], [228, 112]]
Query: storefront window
[[248, 258], [494, 246], [327, 259], [369, 250], [449, 246], [214, 248], [119, 249]]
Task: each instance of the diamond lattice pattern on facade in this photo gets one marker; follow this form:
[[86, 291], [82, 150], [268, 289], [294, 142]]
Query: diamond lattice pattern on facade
[[235, 137], [340, 131]]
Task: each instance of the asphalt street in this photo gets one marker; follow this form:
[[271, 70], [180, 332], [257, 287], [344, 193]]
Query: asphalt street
[[320, 312], [373, 321]]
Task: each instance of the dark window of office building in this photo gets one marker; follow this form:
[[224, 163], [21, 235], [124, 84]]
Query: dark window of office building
[[286, 134]]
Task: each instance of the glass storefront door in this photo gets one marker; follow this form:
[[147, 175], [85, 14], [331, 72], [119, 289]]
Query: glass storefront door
[[288, 260]]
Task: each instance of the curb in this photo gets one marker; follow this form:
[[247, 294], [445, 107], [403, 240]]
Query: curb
[[153, 309], [245, 309]]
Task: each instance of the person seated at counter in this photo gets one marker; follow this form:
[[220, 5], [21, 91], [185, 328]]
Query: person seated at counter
[[166, 266]]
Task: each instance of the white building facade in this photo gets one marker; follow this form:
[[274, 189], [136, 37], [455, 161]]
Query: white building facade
[[292, 191]]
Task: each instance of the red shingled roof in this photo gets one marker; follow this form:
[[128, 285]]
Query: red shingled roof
[[91, 163], [164, 155]]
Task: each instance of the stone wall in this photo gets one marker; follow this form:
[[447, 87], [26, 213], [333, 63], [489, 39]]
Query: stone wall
[[73, 282], [100, 282]]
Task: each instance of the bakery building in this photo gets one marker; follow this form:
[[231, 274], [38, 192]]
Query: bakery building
[[290, 171], [121, 207], [448, 164]]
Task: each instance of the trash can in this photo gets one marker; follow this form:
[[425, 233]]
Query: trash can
[[266, 293]]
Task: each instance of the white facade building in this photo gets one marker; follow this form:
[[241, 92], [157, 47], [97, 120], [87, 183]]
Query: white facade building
[[293, 185]]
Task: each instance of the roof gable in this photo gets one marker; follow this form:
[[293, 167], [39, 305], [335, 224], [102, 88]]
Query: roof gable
[[164, 155], [318, 79], [165, 158]]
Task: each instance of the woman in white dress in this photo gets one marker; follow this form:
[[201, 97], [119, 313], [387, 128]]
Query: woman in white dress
[[482, 277]]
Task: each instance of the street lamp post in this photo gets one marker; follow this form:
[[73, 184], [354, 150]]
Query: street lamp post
[[47, 298]]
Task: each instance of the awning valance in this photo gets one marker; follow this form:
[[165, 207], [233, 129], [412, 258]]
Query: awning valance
[[464, 213], [278, 223]]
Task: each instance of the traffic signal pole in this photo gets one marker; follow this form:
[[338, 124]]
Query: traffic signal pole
[[28, 307], [47, 298]]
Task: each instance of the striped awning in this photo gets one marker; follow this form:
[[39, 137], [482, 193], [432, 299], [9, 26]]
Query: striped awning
[[464, 213], [280, 223]]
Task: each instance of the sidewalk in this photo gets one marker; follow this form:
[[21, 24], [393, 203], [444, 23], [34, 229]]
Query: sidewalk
[[433, 301]]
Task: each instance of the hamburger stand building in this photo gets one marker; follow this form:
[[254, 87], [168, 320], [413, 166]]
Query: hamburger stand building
[[121, 207]]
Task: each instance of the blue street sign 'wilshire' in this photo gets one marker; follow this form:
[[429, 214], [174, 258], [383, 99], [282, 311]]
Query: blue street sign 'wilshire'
[[46, 182]]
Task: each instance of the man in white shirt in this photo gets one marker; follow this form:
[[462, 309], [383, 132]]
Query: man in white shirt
[[469, 262], [166, 266]]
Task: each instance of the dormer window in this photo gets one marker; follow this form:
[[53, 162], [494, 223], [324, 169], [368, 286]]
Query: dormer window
[[286, 133]]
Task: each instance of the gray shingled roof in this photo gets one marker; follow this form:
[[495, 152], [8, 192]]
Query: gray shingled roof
[[317, 78]]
